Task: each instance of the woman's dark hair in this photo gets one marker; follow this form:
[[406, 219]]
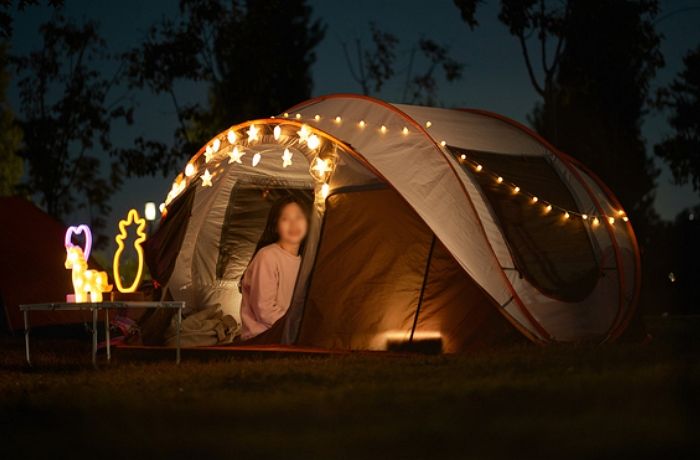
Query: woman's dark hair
[[270, 234]]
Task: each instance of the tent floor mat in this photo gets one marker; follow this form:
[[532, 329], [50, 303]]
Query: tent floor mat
[[143, 352]]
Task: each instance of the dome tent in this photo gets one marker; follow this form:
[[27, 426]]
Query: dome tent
[[426, 221]]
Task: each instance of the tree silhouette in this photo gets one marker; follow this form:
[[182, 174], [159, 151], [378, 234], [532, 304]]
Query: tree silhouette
[[66, 117], [596, 60], [254, 58], [10, 136], [372, 67], [682, 149]]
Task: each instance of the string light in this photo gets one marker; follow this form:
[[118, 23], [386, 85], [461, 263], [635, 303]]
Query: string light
[[286, 158], [161, 208], [534, 199], [362, 124], [463, 157], [304, 133], [286, 115], [404, 131], [596, 222], [235, 155], [298, 116], [443, 143], [231, 136], [338, 120], [516, 189], [277, 132], [206, 178], [253, 132], [208, 153], [325, 189], [189, 170], [584, 216], [611, 220], [479, 168], [625, 218], [428, 124], [566, 215], [215, 146], [317, 117], [383, 129], [313, 142], [256, 159], [547, 208], [499, 180]]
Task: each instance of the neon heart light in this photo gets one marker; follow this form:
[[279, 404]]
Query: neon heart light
[[77, 230]]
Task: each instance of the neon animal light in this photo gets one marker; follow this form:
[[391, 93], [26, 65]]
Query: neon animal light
[[131, 218], [85, 281]]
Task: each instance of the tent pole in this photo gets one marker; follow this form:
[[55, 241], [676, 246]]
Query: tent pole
[[422, 288]]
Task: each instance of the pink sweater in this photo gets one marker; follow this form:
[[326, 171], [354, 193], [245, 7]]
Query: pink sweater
[[268, 284]]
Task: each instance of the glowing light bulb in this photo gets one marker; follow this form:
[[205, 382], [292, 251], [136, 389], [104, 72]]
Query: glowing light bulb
[[479, 168], [516, 189], [286, 158], [362, 124], [231, 136], [625, 218], [382, 129], [317, 117], [584, 216], [304, 133], [215, 146], [325, 189], [443, 143], [206, 178], [313, 142], [150, 211], [189, 170], [208, 153], [298, 116], [499, 179], [611, 220], [548, 208], [566, 216], [404, 131], [595, 222], [286, 114], [338, 120], [256, 159], [463, 156], [161, 208], [253, 132], [620, 212], [428, 124], [235, 155], [277, 132], [534, 199]]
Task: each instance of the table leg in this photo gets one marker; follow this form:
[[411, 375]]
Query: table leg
[[94, 337], [107, 338], [26, 336], [179, 326]]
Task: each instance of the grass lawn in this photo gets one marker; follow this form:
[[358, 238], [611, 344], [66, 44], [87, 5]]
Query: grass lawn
[[615, 401]]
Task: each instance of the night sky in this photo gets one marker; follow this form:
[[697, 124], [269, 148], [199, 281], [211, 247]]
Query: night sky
[[494, 76]]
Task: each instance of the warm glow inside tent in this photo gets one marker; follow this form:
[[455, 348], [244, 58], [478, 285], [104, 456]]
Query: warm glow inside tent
[[460, 224]]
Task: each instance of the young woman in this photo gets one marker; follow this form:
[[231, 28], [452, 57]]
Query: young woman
[[268, 281]]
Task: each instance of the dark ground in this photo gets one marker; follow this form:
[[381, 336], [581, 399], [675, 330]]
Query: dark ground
[[615, 401]]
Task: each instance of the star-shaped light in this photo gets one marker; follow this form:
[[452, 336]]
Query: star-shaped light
[[304, 133], [320, 166], [286, 158], [206, 178], [235, 156], [253, 132], [208, 153]]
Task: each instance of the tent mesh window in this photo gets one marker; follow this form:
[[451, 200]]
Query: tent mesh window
[[555, 255], [246, 216]]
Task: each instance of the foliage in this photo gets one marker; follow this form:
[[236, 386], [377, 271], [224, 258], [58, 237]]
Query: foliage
[[592, 62], [254, 58], [10, 136], [373, 67], [66, 117], [682, 150]]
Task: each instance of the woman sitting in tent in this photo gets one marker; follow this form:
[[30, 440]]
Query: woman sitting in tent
[[268, 282]]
